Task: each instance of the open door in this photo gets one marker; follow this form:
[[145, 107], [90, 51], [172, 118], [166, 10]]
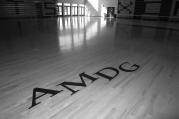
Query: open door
[[110, 11]]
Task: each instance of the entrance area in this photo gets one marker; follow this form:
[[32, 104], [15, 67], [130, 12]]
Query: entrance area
[[59, 9], [67, 9], [110, 11]]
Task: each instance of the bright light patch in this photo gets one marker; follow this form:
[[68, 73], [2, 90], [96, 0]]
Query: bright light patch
[[103, 11], [92, 31], [59, 3], [60, 24], [94, 3], [103, 22], [65, 42], [78, 39]]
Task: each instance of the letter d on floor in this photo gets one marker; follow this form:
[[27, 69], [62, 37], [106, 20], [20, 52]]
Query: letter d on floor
[[107, 76]]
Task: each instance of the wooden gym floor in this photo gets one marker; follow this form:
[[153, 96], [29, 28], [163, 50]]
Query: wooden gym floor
[[42, 53]]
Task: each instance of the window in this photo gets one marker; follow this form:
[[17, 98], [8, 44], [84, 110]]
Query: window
[[74, 9], [59, 9], [66, 9]]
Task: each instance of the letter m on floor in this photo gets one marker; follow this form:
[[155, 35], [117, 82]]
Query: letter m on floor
[[82, 83]]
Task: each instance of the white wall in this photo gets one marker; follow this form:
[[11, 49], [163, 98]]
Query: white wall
[[104, 3]]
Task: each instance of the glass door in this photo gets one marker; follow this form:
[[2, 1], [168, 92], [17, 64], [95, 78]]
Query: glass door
[[74, 9], [59, 9], [81, 10], [66, 9]]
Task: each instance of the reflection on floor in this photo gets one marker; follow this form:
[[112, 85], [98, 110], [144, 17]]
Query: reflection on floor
[[45, 52]]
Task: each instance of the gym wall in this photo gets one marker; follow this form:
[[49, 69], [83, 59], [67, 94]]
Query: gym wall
[[149, 9], [31, 8], [137, 9], [140, 9]]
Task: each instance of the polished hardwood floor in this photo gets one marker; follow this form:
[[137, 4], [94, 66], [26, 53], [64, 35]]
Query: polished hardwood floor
[[42, 53]]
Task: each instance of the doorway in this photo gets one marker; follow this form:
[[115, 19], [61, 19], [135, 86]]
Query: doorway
[[110, 11], [59, 9], [67, 9]]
